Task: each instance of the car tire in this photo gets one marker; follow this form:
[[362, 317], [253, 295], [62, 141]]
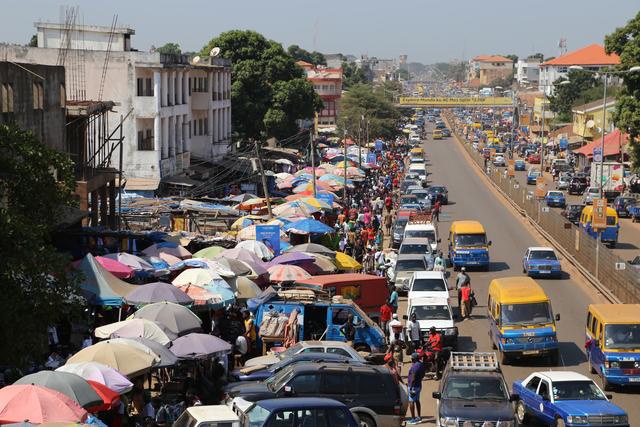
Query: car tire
[[521, 413], [560, 423], [365, 420]]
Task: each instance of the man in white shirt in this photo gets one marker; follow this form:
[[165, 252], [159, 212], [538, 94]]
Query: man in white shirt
[[413, 332], [396, 330]]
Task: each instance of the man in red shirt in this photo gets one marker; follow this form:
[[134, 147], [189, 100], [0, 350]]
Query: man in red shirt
[[465, 294], [436, 210], [386, 311], [388, 202]]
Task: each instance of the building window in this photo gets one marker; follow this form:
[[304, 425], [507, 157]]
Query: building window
[[145, 141], [148, 87], [63, 96], [200, 127], [190, 83], [562, 69], [38, 96], [140, 86], [6, 98], [205, 85], [190, 129], [206, 126]]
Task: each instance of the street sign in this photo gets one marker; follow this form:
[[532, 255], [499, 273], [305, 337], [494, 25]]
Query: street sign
[[597, 154], [545, 209], [599, 220], [511, 168], [540, 187], [621, 266]]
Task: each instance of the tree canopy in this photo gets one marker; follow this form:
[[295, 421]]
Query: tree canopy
[[36, 291], [625, 42], [170, 48], [299, 54], [567, 96], [265, 78], [352, 75], [362, 100]]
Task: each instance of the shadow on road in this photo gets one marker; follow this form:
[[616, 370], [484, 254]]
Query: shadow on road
[[466, 344], [571, 354], [625, 245], [499, 266]]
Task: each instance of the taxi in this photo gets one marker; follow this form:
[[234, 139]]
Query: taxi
[[521, 321], [608, 235], [468, 245], [613, 343]]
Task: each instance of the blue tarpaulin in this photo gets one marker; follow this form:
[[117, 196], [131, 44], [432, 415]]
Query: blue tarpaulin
[[309, 225]]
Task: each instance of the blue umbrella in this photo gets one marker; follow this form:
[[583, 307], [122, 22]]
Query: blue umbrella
[[194, 263], [226, 294], [309, 225], [284, 245]]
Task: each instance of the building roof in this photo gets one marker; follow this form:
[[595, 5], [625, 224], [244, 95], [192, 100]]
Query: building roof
[[324, 73], [612, 143], [590, 55], [491, 58], [592, 106], [304, 64], [87, 28], [566, 129]]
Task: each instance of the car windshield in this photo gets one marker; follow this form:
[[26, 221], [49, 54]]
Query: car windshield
[[537, 313], [295, 349], [410, 265], [593, 190], [479, 388], [275, 382], [622, 336], [548, 255], [437, 189], [576, 390], [534, 172], [470, 240], [575, 208], [431, 312], [257, 416], [422, 234], [429, 285], [407, 199], [555, 194], [414, 248]]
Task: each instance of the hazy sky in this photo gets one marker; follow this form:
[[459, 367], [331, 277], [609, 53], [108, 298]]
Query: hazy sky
[[426, 30]]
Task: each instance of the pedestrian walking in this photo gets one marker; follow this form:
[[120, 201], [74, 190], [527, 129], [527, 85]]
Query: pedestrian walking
[[393, 299], [435, 212], [386, 312], [414, 383], [388, 222], [349, 329], [466, 294], [413, 332], [461, 279]]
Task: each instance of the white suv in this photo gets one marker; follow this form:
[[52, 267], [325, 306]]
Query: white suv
[[434, 312], [428, 284]]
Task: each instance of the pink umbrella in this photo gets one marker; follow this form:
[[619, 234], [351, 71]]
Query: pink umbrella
[[118, 269], [170, 259], [287, 273], [35, 404], [167, 248]]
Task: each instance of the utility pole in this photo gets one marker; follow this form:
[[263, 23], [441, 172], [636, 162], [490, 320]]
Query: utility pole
[[313, 161], [604, 129], [264, 180], [344, 194], [542, 144]]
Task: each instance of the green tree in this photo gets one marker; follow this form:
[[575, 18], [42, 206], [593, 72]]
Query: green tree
[[170, 48], [299, 54], [352, 75], [390, 90], [262, 104], [512, 57], [566, 96], [537, 56], [362, 100], [36, 290], [625, 42], [33, 42], [403, 73]]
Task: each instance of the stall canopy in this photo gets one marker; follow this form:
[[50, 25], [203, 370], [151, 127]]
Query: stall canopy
[[612, 144], [103, 287]]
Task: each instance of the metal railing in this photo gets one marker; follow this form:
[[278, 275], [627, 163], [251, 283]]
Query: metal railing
[[609, 270]]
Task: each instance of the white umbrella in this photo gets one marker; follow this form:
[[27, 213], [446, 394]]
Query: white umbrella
[[196, 276], [133, 328], [258, 248]]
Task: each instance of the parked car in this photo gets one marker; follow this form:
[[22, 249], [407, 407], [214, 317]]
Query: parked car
[[293, 411], [565, 398], [208, 416], [418, 246], [405, 266], [446, 132], [577, 185], [498, 160], [622, 204], [572, 212], [555, 198], [534, 158], [428, 284], [371, 392], [322, 347], [473, 392], [434, 312], [590, 194], [440, 192], [520, 165], [541, 261], [398, 230]]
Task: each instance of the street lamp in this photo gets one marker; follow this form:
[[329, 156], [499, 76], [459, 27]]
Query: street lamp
[[606, 75]]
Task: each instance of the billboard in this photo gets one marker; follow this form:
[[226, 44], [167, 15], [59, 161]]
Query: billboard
[[599, 220], [458, 102], [270, 236]]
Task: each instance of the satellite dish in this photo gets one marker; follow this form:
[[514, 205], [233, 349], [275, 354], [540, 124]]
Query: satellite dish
[[590, 124], [195, 59], [215, 51]]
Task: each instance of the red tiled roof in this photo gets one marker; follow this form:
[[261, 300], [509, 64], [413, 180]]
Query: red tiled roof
[[568, 129], [491, 58], [304, 64], [591, 55], [612, 144]]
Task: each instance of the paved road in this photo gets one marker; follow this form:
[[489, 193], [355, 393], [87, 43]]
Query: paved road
[[471, 198]]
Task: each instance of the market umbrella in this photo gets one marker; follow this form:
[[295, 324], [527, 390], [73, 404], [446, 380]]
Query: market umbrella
[[287, 273], [110, 398], [251, 204], [240, 254], [290, 258], [127, 360], [239, 267], [245, 221], [205, 263], [224, 293], [132, 328], [323, 262], [73, 386], [156, 292], [345, 262], [201, 296], [118, 269], [294, 208], [168, 258], [245, 288], [258, 248], [132, 261], [199, 346], [196, 276], [103, 374], [36, 404], [313, 248], [208, 253], [177, 318], [309, 225], [241, 197], [151, 347], [283, 175], [169, 248]]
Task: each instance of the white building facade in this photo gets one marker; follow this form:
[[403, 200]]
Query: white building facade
[[528, 71], [167, 122]]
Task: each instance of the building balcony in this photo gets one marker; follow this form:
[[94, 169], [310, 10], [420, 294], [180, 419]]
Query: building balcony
[[145, 106], [200, 100]]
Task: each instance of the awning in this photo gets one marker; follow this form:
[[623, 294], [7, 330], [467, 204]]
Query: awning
[[141, 184], [612, 143]]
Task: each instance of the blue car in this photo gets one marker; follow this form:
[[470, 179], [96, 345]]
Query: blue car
[[254, 373], [542, 262], [520, 165], [555, 199], [562, 398], [532, 176]]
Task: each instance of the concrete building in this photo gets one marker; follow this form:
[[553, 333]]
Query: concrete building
[[152, 91], [592, 57], [327, 83], [588, 119], [485, 69], [528, 71]]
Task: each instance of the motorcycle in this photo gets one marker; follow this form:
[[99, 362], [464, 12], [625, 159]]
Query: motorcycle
[[434, 361]]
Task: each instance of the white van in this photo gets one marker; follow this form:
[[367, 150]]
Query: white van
[[208, 416], [428, 284], [421, 231], [420, 170]]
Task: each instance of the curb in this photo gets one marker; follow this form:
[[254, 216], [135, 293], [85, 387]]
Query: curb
[[585, 273]]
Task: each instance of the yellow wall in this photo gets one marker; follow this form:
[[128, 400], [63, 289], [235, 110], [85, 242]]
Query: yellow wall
[[537, 109], [580, 120]]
